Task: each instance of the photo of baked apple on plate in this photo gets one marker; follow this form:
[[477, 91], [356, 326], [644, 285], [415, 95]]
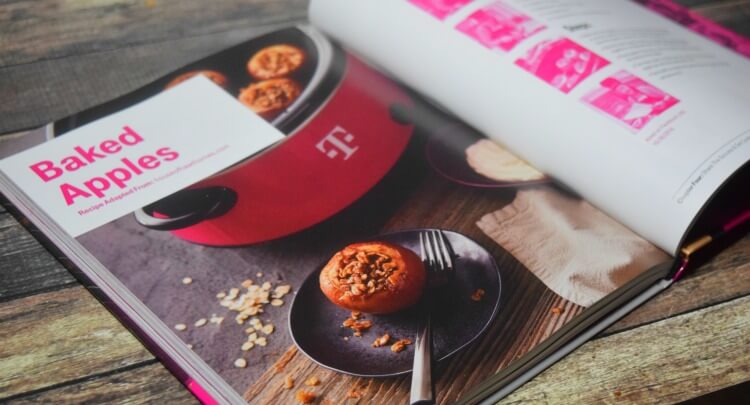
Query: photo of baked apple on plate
[[358, 312], [464, 156]]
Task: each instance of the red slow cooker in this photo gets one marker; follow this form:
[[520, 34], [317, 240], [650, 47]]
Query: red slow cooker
[[341, 140]]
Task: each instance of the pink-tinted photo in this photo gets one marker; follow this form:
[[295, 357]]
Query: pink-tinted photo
[[441, 9], [499, 26], [561, 62], [629, 99]]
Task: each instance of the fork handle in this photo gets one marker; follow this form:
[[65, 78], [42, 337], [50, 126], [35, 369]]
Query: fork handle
[[422, 389]]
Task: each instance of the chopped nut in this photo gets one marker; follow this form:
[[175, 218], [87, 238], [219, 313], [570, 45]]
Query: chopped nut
[[180, 326], [400, 345], [382, 341], [557, 310], [187, 280], [261, 341], [289, 382], [268, 329], [354, 393], [216, 319], [305, 397], [359, 326], [240, 363], [477, 295], [247, 283], [221, 295], [258, 274], [189, 346], [200, 322], [249, 330], [277, 302], [266, 286], [312, 381]]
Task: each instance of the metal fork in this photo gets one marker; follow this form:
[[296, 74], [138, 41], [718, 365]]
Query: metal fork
[[438, 260]]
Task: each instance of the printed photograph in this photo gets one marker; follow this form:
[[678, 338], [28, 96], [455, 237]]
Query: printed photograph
[[561, 62], [499, 26], [629, 99]]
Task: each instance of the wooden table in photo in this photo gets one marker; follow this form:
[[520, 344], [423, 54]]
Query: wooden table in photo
[[59, 57]]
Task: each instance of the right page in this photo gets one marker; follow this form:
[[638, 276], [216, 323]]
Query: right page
[[641, 116]]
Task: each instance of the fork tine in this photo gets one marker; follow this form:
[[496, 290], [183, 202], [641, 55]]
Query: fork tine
[[430, 251], [422, 252], [436, 248], [446, 253]]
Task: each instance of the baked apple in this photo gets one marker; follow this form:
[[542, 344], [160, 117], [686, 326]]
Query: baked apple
[[373, 277], [216, 77]]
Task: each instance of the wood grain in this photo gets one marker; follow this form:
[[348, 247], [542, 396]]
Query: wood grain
[[54, 337], [722, 279], [149, 384], [32, 32], [658, 363], [27, 267]]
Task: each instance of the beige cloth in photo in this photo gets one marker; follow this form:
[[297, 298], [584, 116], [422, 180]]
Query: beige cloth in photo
[[576, 250]]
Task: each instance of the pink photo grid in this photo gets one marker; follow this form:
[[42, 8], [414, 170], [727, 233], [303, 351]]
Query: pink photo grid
[[440, 9], [499, 26], [629, 99], [561, 63]]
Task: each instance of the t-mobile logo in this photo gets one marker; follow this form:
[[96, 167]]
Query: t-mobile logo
[[337, 141]]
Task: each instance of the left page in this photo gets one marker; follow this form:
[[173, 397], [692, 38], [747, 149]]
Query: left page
[[219, 269]]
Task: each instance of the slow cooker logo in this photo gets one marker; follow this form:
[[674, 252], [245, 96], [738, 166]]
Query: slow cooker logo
[[336, 142]]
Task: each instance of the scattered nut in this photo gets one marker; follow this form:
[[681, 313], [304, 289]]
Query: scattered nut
[[557, 310], [247, 283], [258, 274], [289, 382], [354, 393], [240, 363], [312, 381], [400, 345], [277, 302], [477, 295], [187, 280], [382, 341], [201, 322], [180, 326], [305, 397], [267, 329]]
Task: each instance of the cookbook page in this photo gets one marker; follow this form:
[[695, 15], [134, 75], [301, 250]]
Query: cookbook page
[[258, 218], [639, 115]]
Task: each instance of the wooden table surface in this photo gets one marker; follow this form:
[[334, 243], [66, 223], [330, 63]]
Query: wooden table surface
[[59, 57]]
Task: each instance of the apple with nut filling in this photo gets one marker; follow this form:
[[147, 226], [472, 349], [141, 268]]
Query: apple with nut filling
[[373, 277]]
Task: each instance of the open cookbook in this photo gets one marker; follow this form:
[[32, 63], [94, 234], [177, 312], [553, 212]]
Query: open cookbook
[[409, 201]]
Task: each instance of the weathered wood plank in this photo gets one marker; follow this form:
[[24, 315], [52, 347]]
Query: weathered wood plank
[[27, 267], [43, 30], [51, 338], [724, 278], [34, 94], [143, 385], [665, 362]]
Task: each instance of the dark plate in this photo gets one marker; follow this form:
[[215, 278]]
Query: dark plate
[[315, 323], [446, 153]]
